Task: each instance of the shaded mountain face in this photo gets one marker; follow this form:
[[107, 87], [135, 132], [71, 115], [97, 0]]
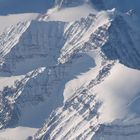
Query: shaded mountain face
[[41, 6], [69, 3], [70, 75], [123, 42], [120, 5], [20, 6]]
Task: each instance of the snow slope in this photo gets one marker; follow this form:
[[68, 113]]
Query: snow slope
[[15, 11], [9, 20], [73, 73], [63, 14], [119, 89], [91, 106], [18, 133]]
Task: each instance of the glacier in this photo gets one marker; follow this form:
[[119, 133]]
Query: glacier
[[71, 72]]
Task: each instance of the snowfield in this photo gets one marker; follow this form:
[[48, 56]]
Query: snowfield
[[9, 20], [70, 73], [76, 13], [18, 133], [118, 93]]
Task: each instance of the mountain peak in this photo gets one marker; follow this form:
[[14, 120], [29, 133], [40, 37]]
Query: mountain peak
[[71, 72]]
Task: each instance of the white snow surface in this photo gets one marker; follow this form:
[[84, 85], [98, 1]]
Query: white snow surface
[[17, 133], [66, 79], [70, 14], [118, 92], [9, 20], [9, 81]]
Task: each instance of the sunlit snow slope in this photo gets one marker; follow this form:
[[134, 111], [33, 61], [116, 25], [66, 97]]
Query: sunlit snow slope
[[72, 73]]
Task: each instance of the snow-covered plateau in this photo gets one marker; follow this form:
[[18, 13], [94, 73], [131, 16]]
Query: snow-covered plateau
[[71, 72]]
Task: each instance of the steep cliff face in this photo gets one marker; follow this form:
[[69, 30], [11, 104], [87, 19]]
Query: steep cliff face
[[34, 47], [74, 75], [50, 52], [120, 5], [123, 42], [35, 51], [83, 114]]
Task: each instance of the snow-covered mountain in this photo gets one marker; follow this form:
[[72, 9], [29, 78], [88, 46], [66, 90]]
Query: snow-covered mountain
[[71, 73]]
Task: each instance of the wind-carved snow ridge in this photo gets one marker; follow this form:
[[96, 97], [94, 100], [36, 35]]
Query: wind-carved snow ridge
[[10, 37], [78, 119], [82, 100], [81, 116], [69, 71], [60, 12], [9, 110], [36, 45], [36, 42]]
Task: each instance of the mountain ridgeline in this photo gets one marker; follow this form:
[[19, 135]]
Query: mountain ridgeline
[[71, 75]]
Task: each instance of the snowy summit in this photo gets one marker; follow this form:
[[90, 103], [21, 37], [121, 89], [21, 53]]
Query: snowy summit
[[69, 70]]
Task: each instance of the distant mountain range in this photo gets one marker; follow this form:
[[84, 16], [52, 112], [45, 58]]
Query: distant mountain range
[[69, 70]]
